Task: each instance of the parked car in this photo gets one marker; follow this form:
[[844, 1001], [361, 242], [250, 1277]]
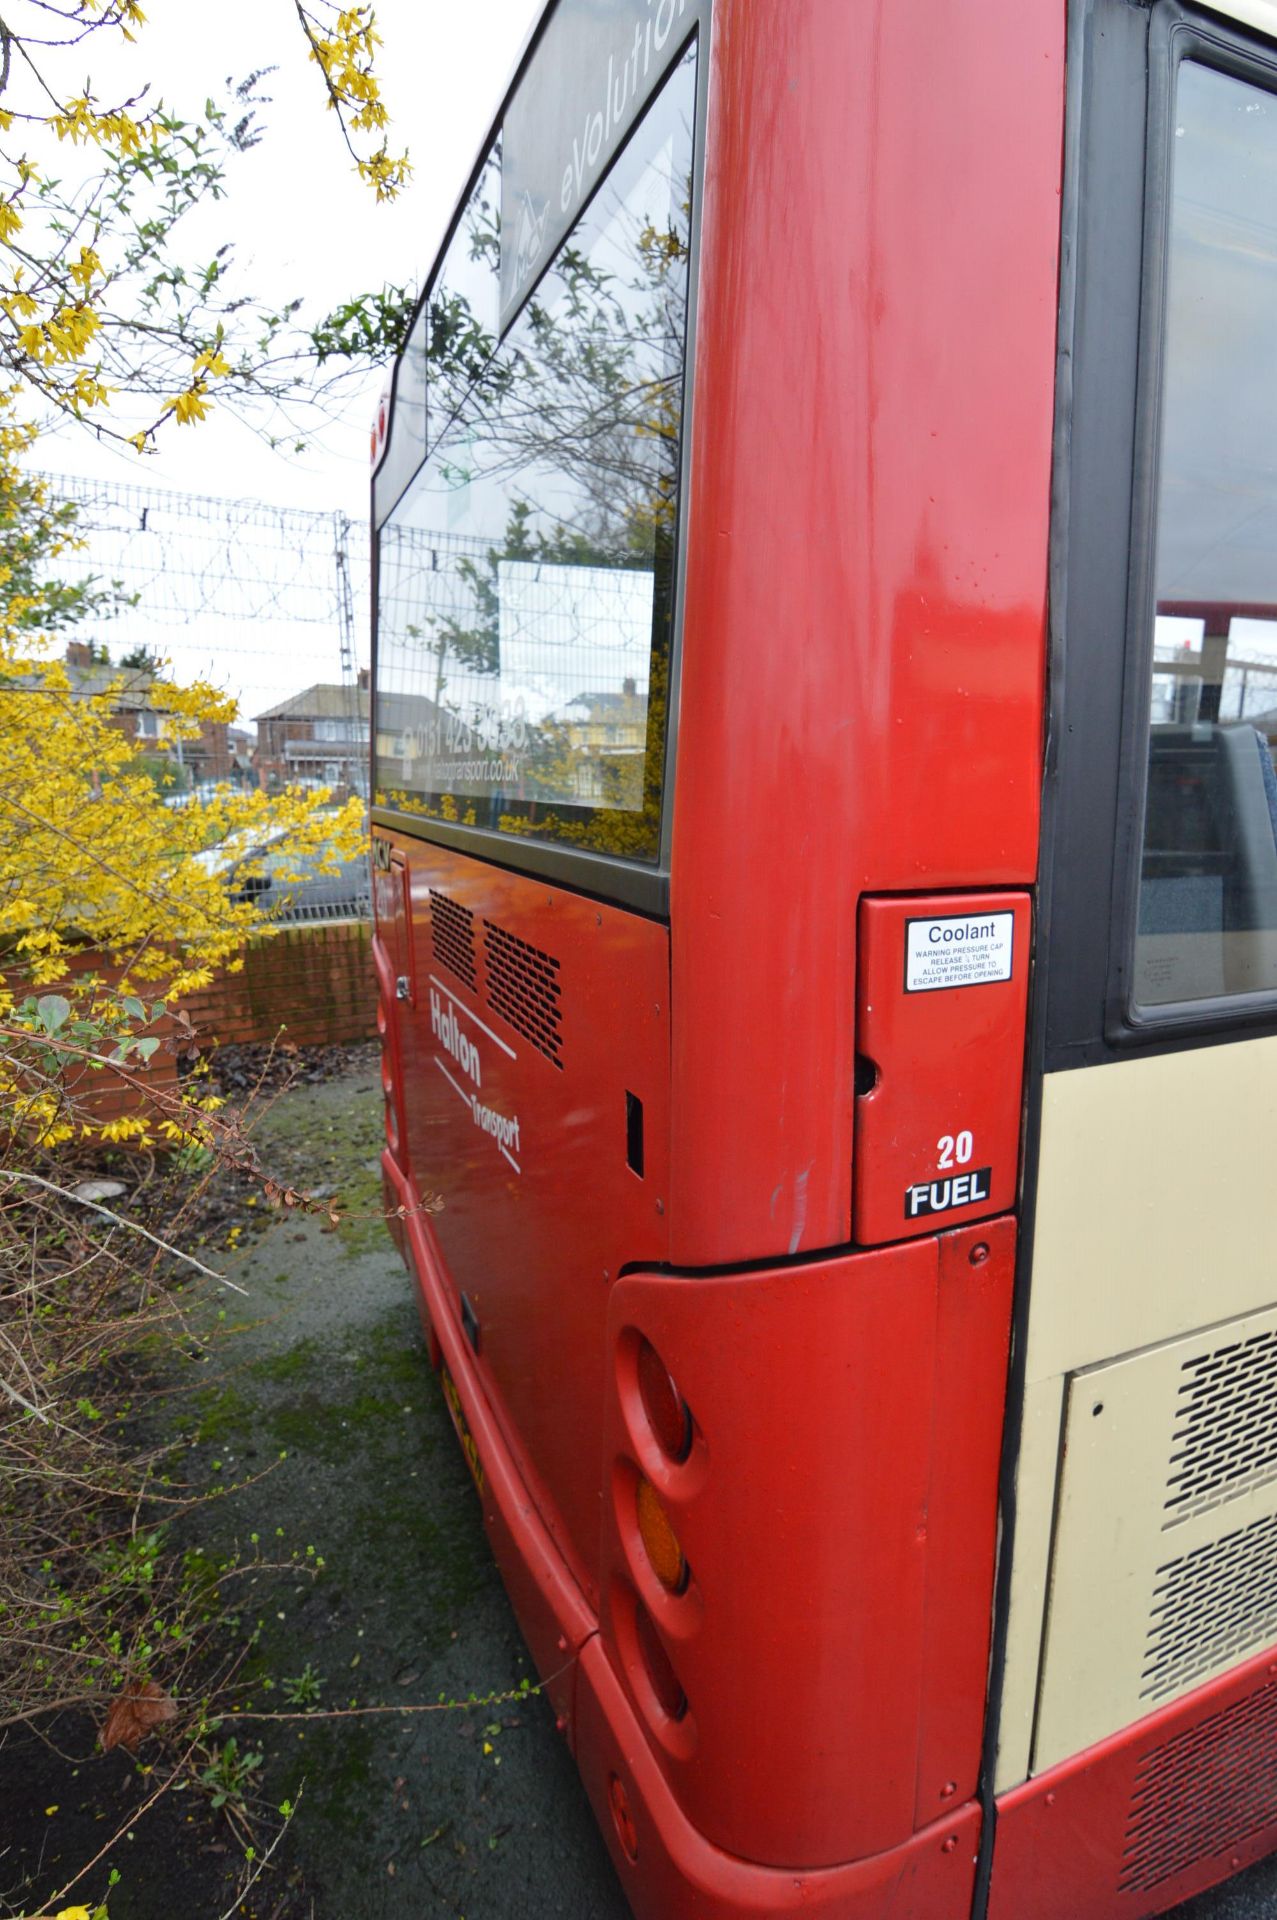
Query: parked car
[[292, 887]]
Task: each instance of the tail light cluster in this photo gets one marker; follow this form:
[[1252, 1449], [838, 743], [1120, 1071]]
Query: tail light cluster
[[667, 1411], [664, 1682], [659, 1610], [660, 1542]]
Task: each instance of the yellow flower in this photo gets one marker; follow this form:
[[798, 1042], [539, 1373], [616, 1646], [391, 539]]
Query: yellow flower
[[73, 1913], [85, 267], [191, 405]]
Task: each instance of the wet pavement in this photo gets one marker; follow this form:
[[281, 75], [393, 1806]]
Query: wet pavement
[[476, 1813]]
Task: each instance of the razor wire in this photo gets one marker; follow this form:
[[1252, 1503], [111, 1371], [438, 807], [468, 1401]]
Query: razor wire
[[236, 590], [211, 584], [182, 556]]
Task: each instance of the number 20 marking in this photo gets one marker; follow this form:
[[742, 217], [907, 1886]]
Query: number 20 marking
[[960, 1149]]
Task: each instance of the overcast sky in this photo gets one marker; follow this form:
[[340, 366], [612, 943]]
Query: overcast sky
[[301, 222]]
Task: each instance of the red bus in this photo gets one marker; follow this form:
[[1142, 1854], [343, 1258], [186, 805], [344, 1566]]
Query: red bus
[[825, 843]]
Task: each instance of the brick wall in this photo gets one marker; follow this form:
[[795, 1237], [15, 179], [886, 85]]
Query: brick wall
[[102, 1092], [314, 981], [311, 985]]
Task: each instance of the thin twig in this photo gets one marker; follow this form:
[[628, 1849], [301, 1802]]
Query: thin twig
[[512, 1695], [129, 1821], [12, 1392], [259, 1866], [95, 1206], [24, 1403]]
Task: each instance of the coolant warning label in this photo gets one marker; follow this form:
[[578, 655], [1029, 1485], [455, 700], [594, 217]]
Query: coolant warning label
[[957, 950]]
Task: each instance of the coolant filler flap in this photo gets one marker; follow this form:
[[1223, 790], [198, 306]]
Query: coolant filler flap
[[942, 988]]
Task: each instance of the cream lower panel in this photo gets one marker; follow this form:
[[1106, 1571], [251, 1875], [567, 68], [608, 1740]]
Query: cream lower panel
[[1164, 1571], [1260, 14], [1156, 1215], [1157, 1202]]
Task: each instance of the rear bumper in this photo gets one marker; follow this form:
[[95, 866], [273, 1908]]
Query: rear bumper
[[669, 1870], [674, 1873]]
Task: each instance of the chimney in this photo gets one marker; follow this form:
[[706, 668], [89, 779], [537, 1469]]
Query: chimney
[[79, 653], [629, 688], [363, 679]]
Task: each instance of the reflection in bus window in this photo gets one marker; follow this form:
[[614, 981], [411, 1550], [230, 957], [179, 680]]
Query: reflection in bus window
[[525, 578], [1207, 923]]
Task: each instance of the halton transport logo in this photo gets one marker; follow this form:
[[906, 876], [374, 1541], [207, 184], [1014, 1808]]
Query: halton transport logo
[[446, 1017]]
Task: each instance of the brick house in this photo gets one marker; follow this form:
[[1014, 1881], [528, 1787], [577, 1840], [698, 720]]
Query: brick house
[[137, 711], [320, 734]]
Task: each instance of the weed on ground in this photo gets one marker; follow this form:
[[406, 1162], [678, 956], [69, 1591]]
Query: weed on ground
[[318, 1412]]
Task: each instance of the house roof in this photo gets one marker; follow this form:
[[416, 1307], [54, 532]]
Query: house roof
[[321, 702], [133, 686], [627, 708], [396, 710]]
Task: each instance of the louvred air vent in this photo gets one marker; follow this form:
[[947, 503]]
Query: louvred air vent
[[452, 936], [523, 986], [1203, 1793], [1225, 1437], [1211, 1606]]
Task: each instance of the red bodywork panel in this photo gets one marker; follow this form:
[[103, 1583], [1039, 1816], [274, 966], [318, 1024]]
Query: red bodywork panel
[[833, 1640], [944, 984], [1164, 1809], [754, 1517], [863, 1390], [865, 587], [675, 1874], [536, 1220], [394, 959], [553, 1612]]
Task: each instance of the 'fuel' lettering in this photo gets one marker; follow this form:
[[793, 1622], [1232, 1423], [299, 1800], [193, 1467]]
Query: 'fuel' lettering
[[942, 1196]]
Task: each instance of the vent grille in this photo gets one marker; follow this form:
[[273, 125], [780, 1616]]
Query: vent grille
[[1203, 1793], [1225, 1438], [523, 986], [1211, 1606], [452, 935]]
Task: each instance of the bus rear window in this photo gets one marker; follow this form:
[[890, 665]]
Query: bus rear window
[[1207, 920], [525, 579]]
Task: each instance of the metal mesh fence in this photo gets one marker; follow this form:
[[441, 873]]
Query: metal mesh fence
[[261, 600]]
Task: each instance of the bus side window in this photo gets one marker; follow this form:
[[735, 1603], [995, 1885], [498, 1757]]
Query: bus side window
[[1208, 887], [1206, 926]]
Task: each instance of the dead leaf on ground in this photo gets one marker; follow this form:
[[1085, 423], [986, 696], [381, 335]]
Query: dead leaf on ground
[[133, 1714]]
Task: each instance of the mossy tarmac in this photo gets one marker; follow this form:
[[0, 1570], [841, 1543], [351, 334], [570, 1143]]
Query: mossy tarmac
[[320, 1409]]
